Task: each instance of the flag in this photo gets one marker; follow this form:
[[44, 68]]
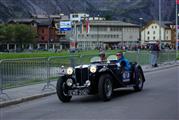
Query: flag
[[177, 1], [81, 26], [87, 26]]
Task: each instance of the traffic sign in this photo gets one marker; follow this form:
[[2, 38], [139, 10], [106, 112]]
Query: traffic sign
[[65, 26]]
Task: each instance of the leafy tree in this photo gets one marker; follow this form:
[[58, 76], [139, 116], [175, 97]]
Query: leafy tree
[[2, 32], [17, 33], [24, 34]]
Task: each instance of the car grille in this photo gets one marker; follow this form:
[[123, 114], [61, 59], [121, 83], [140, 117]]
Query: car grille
[[81, 75]]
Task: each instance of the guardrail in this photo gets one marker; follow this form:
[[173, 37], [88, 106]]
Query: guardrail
[[22, 72]]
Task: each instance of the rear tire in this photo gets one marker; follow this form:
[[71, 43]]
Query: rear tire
[[139, 82], [61, 89], [105, 87]]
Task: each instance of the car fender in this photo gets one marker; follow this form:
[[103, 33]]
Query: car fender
[[136, 69], [106, 70]]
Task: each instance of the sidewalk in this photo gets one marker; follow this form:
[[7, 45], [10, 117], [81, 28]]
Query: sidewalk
[[27, 93]]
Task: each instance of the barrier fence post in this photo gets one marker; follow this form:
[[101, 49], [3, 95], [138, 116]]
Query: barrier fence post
[[138, 56], [48, 84], [1, 77], [1, 83]]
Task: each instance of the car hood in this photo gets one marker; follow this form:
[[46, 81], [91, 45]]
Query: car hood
[[82, 66]]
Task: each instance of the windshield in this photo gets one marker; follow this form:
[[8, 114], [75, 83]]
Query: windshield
[[95, 59], [112, 59]]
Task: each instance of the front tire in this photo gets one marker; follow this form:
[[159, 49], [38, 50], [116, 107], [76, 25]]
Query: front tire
[[105, 87], [61, 89], [139, 82]]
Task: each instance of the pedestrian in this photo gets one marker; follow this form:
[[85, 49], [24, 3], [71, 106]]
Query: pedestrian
[[155, 54]]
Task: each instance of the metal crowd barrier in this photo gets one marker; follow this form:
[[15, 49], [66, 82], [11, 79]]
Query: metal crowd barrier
[[20, 72], [56, 65]]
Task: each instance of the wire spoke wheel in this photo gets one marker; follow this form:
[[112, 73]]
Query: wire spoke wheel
[[139, 82], [108, 87], [105, 87]]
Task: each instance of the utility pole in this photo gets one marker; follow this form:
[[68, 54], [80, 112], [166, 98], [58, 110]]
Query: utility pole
[[160, 23], [176, 29]]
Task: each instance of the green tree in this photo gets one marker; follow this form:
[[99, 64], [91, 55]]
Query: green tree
[[17, 33], [2, 33], [25, 34]]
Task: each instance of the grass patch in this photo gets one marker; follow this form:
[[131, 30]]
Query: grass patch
[[46, 54]]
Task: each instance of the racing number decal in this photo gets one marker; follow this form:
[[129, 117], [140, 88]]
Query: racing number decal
[[126, 75]]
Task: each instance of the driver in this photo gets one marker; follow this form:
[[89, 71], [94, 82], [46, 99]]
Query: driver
[[102, 56], [124, 63]]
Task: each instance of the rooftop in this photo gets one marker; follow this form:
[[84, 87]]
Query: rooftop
[[164, 24], [112, 23], [22, 20]]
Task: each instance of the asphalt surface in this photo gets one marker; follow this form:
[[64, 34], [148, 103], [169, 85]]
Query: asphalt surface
[[158, 101]]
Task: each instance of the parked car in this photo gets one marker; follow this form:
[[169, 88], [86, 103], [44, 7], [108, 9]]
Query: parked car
[[99, 78]]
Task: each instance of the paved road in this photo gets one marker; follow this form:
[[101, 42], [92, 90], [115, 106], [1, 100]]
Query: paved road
[[158, 101]]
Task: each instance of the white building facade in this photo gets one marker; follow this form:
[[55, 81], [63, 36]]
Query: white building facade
[[150, 33], [107, 34], [77, 17]]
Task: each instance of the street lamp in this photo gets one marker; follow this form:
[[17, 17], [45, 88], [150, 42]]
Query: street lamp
[[141, 19], [98, 33], [138, 47]]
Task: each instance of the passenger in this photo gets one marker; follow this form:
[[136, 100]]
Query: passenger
[[102, 56], [124, 63]]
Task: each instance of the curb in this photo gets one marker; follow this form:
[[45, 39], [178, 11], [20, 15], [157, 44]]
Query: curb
[[162, 68], [25, 99], [29, 98]]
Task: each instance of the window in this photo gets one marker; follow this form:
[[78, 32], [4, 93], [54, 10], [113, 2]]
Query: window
[[74, 16], [153, 38], [154, 32], [92, 36], [156, 27], [82, 36], [148, 32], [43, 30], [167, 38], [42, 38], [148, 38]]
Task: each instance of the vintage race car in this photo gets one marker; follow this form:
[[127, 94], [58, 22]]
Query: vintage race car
[[98, 77]]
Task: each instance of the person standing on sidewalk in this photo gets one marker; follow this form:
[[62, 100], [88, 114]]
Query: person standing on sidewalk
[[155, 54]]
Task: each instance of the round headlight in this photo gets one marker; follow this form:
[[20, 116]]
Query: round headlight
[[69, 71], [69, 82], [93, 69]]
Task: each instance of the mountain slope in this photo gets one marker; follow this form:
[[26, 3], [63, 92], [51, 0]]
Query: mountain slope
[[130, 10]]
